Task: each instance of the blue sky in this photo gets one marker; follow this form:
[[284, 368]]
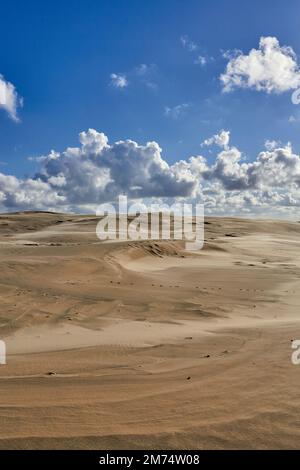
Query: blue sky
[[60, 56]]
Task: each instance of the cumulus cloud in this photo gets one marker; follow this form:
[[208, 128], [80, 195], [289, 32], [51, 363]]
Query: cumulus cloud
[[118, 80], [222, 140], [272, 144], [21, 194], [9, 98], [95, 172], [271, 68], [274, 168], [98, 171]]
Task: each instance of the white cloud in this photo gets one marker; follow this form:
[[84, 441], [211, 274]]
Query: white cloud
[[58, 180], [118, 80], [271, 68], [97, 171], [146, 74], [278, 169], [272, 144], [176, 111], [222, 140], [202, 58], [9, 98], [93, 142], [19, 194]]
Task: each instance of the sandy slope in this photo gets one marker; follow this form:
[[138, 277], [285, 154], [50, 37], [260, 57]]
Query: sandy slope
[[143, 345]]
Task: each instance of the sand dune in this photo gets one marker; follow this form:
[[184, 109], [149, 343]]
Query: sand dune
[[144, 345]]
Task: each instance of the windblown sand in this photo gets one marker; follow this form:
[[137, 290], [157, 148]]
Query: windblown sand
[[144, 345]]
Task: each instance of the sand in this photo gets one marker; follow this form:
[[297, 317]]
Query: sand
[[143, 345]]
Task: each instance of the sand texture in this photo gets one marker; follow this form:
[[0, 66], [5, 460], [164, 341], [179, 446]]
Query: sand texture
[[143, 345]]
